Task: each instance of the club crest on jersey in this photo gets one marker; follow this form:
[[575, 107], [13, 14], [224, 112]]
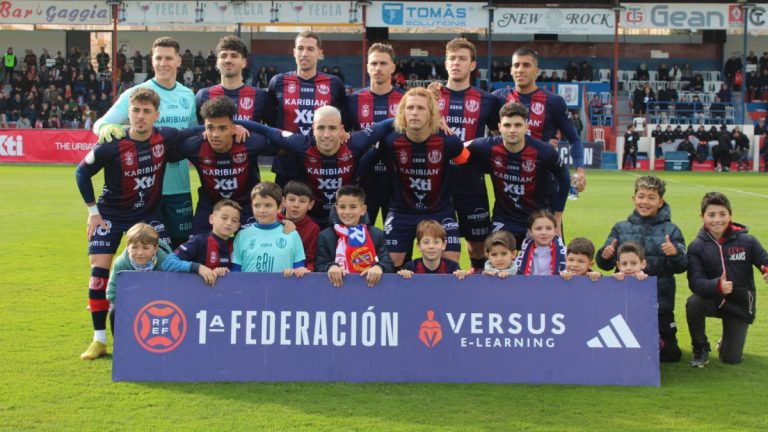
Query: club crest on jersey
[[441, 104], [537, 108], [239, 158], [213, 257], [529, 166], [184, 103], [393, 110], [435, 156], [498, 162], [403, 157], [158, 150], [246, 103], [207, 160], [345, 157], [312, 160], [365, 110], [291, 87], [472, 105], [323, 89], [128, 158]]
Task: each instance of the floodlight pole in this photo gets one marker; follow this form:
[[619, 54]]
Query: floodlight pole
[[364, 5], [490, 8], [745, 8], [114, 52], [615, 74]]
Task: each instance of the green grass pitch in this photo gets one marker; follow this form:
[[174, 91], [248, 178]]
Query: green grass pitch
[[44, 326]]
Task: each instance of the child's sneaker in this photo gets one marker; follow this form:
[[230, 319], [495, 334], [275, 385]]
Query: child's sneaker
[[95, 350], [699, 359]]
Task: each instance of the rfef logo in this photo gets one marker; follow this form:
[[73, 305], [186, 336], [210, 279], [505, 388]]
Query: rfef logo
[[430, 331], [160, 326]]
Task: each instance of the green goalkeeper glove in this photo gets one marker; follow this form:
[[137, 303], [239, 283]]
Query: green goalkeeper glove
[[110, 131]]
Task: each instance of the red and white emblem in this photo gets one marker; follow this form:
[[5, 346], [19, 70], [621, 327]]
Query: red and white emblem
[[441, 104], [206, 160], [537, 108], [158, 150], [498, 162], [239, 158], [435, 156], [213, 257], [365, 110], [291, 87], [246, 103], [323, 89], [128, 158], [403, 157], [472, 105], [393, 110], [529, 165]]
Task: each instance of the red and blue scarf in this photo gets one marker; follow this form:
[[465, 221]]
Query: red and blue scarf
[[355, 250]]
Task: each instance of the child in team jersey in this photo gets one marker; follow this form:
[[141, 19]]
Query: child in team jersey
[[145, 252], [579, 259], [431, 241], [630, 261], [214, 250], [297, 202], [500, 251], [543, 252]]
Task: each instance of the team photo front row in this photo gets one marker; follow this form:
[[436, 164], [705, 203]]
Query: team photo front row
[[307, 226]]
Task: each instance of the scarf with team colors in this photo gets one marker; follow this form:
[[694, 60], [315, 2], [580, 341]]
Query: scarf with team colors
[[355, 251], [525, 259]]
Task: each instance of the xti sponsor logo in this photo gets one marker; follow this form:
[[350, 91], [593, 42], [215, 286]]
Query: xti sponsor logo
[[11, 146], [615, 335]]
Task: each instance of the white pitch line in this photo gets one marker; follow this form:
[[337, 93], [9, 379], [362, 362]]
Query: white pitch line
[[705, 186]]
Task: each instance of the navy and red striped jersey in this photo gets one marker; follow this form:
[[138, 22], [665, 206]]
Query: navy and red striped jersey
[[252, 103], [446, 267], [521, 181], [364, 108], [209, 250], [361, 110], [324, 174], [293, 101], [547, 114], [226, 175], [133, 173], [420, 171]]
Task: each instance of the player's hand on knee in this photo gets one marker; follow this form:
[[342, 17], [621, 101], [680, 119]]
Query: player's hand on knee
[[94, 222]]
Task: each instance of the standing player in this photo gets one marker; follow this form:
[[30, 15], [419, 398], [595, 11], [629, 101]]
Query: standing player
[[547, 111], [468, 110], [520, 168], [133, 166], [368, 106], [294, 97], [325, 163], [177, 108], [227, 169], [419, 159], [231, 59]]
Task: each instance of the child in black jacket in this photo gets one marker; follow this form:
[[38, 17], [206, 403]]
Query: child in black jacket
[[720, 275]]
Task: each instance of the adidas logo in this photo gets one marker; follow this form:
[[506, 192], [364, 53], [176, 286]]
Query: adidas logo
[[608, 336]]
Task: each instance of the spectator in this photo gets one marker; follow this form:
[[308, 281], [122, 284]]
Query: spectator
[[3, 110], [724, 93], [91, 84], [43, 76], [128, 77], [59, 60], [697, 109], [686, 73], [752, 86], [702, 134], [642, 99], [663, 72], [85, 62], [642, 74], [751, 58], [697, 84], [658, 139], [104, 105], [23, 123], [102, 60], [30, 112], [669, 135], [80, 88], [761, 136], [30, 59], [336, 71], [675, 74], [702, 150], [104, 86], [631, 139], [261, 77], [211, 60], [763, 61], [572, 71], [44, 58], [55, 122], [9, 64], [199, 60], [595, 109], [73, 57], [189, 77], [121, 59], [187, 60], [721, 153], [585, 72], [543, 77], [15, 105], [574, 116], [138, 62], [763, 86], [148, 63], [732, 66], [555, 77], [717, 110]]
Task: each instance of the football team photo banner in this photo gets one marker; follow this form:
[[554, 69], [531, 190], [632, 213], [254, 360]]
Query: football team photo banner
[[433, 328]]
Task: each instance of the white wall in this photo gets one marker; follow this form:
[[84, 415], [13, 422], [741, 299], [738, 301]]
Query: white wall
[[735, 44], [53, 40]]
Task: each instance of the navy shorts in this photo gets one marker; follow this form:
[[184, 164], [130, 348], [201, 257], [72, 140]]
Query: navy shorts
[[176, 213], [473, 215], [519, 230], [400, 229], [106, 241]]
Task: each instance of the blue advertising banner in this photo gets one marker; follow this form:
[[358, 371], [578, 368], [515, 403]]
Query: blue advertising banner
[[433, 328]]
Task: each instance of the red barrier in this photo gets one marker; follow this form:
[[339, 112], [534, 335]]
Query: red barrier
[[45, 145]]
